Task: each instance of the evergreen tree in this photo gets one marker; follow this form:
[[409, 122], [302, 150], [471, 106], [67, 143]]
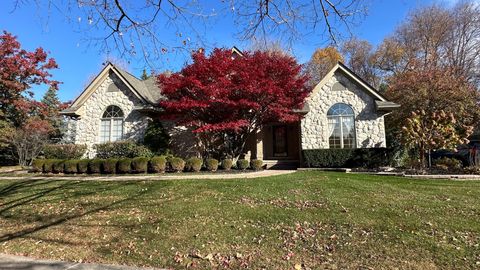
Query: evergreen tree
[[52, 106], [144, 75]]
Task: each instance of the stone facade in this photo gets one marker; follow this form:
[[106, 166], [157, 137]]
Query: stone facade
[[88, 124], [369, 126]]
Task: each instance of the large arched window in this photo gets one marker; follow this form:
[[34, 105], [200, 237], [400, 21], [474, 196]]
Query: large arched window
[[341, 126], [111, 127]]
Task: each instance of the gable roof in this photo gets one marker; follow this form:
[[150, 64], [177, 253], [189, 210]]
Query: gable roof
[[381, 102], [146, 91]]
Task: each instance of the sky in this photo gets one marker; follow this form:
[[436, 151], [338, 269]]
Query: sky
[[79, 62]]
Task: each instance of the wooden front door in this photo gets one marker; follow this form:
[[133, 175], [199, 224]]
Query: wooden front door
[[280, 141]]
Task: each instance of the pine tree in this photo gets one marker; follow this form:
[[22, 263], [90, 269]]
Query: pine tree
[[52, 108], [50, 99], [144, 75]]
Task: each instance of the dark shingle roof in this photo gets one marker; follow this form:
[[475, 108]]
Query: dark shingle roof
[[147, 89]]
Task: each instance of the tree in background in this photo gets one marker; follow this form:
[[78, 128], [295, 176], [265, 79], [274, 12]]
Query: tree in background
[[20, 70], [321, 62], [362, 60], [228, 99], [51, 112], [433, 131]]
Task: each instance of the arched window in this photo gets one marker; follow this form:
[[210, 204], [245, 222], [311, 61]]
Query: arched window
[[111, 127], [341, 126]]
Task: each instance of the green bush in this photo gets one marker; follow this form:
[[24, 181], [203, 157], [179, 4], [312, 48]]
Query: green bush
[[48, 165], [124, 165], [109, 165], [140, 164], [95, 165], [58, 166], [64, 151], [157, 164], [121, 149], [211, 164], [71, 166], [227, 164], [177, 164], [193, 164], [348, 158], [156, 138], [242, 164], [256, 164], [82, 166], [448, 164], [37, 165]]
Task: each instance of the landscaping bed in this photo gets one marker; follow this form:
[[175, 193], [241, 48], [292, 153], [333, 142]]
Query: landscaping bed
[[304, 220]]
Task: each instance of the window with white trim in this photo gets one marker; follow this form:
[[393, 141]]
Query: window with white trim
[[111, 125], [341, 126]]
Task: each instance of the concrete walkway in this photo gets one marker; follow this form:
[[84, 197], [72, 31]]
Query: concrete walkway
[[10, 262], [166, 176]]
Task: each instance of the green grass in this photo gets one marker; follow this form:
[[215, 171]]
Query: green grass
[[309, 219]]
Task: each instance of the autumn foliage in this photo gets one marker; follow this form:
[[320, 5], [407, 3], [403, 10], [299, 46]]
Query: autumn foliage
[[225, 96]]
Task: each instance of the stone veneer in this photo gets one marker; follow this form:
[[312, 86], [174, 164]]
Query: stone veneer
[[369, 127], [88, 125]]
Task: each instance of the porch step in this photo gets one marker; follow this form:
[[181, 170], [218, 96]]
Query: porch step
[[281, 164]]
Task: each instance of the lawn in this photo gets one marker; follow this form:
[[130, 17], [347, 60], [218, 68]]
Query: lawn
[[305, 220]]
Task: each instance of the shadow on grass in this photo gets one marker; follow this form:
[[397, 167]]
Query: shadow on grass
[[43, 188]]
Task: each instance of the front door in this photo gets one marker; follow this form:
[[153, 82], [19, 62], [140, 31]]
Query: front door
[[280, 141]]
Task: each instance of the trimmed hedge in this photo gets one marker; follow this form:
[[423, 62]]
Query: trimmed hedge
[[37, 165], [95, 166], [57, 166], [177, 164], [109, 165], [47, 165], [82, 166], [193, 164], [122, 149], [227, 164], [211, 164], [124, 165], [348, 158], [242, 164], [157, 164], [256, 164], [64, 151], [140, 164], [71, 166]]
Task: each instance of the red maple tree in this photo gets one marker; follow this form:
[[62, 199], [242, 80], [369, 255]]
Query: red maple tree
[[226, 98], [19, 70]]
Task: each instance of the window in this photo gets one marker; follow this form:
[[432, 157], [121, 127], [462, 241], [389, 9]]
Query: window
[[341, 126], [111, 125]]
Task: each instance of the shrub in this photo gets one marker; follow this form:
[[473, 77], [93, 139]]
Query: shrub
[[211, 164], [256, 164], [95, 165], [37, 165], [64, 151], [446, 164], [193, 164], [242, 164], [124, 165], [140, 164], [48, 165], [227, 164], [156, 138], [58, 166], [121, 149], [347, 158], [82, 166], [158, 164], [71, 166], [177, 164], [109, 165]]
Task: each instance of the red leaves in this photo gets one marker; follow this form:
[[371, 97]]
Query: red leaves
[[20, 69], [221, 93]]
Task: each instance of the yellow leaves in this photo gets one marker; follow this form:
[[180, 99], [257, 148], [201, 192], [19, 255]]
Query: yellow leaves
[[329, 54]]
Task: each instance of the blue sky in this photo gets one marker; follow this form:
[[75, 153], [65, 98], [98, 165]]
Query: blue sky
[[78, 62]]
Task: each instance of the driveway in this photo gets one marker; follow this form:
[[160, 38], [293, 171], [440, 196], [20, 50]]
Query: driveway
[[10, 262]]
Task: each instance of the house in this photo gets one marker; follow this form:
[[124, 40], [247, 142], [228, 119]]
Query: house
[[342, 111]]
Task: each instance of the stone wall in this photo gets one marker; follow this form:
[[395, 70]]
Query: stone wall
[[88, 126], [369, 127]]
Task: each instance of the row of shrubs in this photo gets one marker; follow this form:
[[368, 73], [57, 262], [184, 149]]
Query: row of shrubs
[[158, 164], [348, 158]]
